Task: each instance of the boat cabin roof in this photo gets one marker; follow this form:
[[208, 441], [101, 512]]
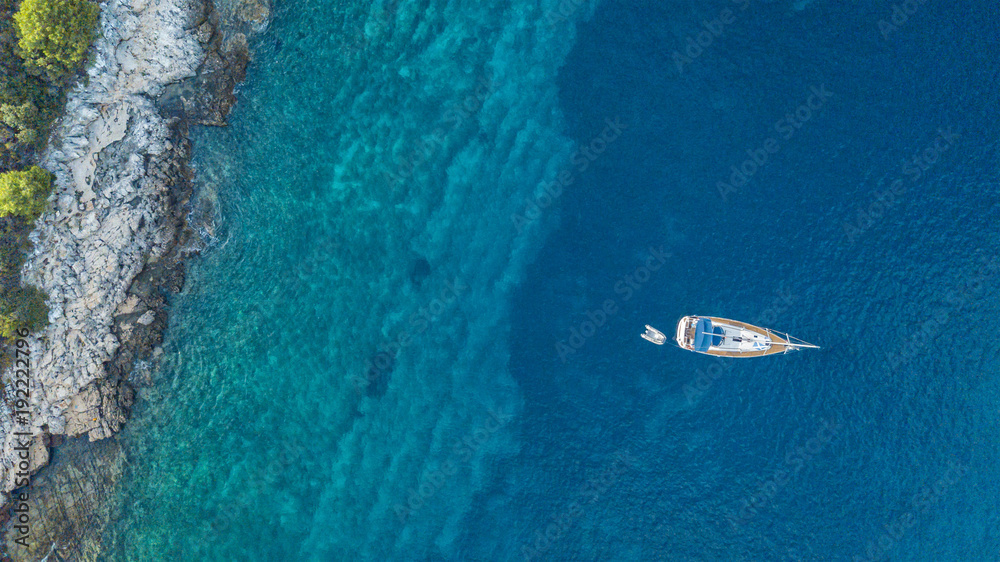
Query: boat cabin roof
[[724, 337], [706, 335]]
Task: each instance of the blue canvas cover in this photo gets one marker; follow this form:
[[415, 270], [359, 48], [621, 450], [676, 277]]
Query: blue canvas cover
[[703, 335], [719, 334]]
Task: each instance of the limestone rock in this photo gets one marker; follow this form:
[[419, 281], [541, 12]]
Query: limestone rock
[[254, 12], [129, 306], [110, 156], [66, 499], [147, 318], [109, 243]]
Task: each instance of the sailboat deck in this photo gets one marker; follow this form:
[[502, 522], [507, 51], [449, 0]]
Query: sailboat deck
[[734, 350], [776, 340]]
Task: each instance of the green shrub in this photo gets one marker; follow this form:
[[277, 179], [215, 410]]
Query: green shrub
[[54, 35], [22, 309], [41, 47], [24, 193], [24, 118], [32, 103]]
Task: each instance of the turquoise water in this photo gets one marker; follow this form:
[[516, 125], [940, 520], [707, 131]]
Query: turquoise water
[[343, 347], [374, 361]]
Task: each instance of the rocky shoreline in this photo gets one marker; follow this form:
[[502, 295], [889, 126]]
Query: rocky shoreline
[[110, 250]]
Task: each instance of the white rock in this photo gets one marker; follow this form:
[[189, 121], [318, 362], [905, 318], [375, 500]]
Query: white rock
[[147, 318], [88, 249]]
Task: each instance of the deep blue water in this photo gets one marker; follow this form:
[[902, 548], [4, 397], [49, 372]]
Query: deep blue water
[[522, 423], [777, 250]]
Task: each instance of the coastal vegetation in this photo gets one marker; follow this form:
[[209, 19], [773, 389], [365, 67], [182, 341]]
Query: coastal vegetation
[[23, 193], [54, 35], [22, 309], [23, 196], [43, 46]]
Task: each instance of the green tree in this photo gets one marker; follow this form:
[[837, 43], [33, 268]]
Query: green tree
[[54, 35], [23, 308], [33, 102], [24, 193], [24, 118]]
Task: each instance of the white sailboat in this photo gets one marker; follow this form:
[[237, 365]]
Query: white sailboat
[[722, 337]]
